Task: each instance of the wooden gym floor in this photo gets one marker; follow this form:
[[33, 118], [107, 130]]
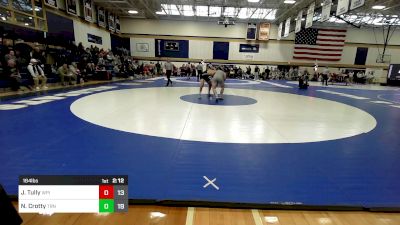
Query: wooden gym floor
[[158, 215]]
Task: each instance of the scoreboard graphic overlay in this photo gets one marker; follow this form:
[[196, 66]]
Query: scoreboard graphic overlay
[[73, 194]]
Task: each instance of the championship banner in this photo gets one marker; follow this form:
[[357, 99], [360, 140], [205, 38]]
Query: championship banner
[[117, 25], [263, 33], [111, 22], [251, 31], [71, 7], [101, 17], [88, 10], [298, 21], [280, 31], [287, 27], [356, 3], [310, 15], [342, 7], [51, 3], [326, 10]]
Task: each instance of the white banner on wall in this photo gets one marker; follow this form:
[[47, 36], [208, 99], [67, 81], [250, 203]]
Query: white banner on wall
[[298, 22], [343, 7], [101, 17], [88, 10], [287, 27], [71, 7], [356, 3], [310, 15], [280, 31], [326, 10], [52, 3], [117, 25], [263, 32], [111, 22]]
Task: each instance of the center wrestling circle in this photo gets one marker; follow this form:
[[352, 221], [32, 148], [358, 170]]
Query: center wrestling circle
[[274, 118]]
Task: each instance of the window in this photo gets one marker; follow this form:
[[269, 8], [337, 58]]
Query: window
[[23, 6], [27, 13], [214, 11], [5, 15], [202, 11], [4, 2], [24, 20], [186, 10], [39, 8]]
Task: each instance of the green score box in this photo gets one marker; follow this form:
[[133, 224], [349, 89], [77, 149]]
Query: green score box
[[106, 206]]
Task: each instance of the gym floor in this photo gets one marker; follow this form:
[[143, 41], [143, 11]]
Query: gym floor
[[158, 215], [266, 143]]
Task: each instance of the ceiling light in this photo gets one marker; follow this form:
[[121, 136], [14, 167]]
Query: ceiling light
[[132, 12], [214, 11], [378, 7], [160, 13], [3, 18], [26, 24], [289, 1], [253, 0], [201, 10]]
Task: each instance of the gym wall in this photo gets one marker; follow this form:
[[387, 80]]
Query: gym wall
[[81, 31], [201, 36]]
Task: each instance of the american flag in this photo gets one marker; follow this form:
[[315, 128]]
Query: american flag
[[319, 44]]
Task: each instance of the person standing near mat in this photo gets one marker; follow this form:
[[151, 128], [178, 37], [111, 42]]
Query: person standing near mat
[[200, 72], [325, 76], [168, 71], [219, 77]]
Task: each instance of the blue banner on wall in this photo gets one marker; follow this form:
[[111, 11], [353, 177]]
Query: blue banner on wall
[[221, 50], [249, 48], [172, 48], [95, 39]]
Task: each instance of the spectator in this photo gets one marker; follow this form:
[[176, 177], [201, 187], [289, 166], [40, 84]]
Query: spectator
[[370, 77], [75, 72], [199, 69], [325, 76], [256, 73], [37, 74], [169, 67], [158, 68], [351, 76], [39, 56], [10, 56], [11, 70], [267, 72], [63, 72]]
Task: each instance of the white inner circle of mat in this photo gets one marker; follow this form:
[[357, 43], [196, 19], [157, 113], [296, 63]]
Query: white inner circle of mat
[[275, 118], [193, 81]]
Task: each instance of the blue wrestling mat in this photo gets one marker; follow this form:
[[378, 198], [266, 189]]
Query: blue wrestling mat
[[252, 159]]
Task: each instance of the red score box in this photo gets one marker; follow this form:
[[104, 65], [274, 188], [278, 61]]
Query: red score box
[[106, 192]]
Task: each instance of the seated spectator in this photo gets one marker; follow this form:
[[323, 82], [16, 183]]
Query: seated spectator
[[63, 72], [10, 56], [75, 73], [370, 77], [90, 70], [14, 76], [37, 74]]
